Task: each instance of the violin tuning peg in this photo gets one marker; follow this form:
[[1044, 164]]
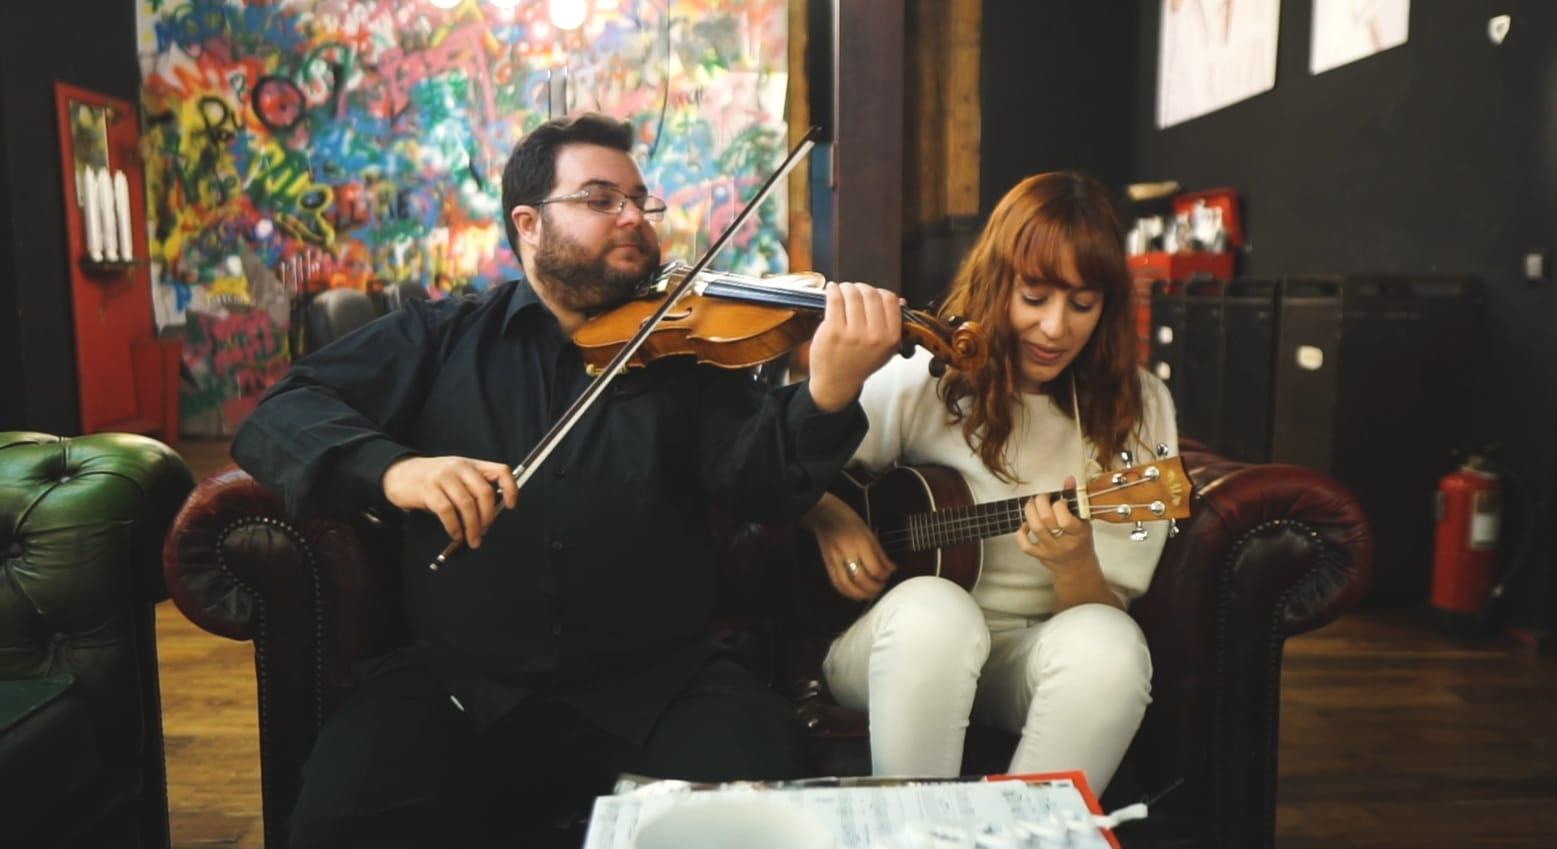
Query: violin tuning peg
[[955, 320], [906, 349], [1139, 533], [937, 367]]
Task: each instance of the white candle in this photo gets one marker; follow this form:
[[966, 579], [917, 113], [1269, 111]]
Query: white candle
[[105, 208], [94, 220], [122, 209]]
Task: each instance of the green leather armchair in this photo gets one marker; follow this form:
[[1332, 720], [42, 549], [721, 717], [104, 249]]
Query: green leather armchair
[[82, 522]]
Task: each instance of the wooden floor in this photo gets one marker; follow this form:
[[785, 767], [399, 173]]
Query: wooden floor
[[1392, 735]]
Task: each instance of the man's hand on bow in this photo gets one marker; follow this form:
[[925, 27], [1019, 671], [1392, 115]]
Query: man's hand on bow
[[458, 490]]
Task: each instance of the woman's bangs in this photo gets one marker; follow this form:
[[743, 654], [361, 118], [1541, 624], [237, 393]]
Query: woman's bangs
[[1038, 251], [1100, 259]]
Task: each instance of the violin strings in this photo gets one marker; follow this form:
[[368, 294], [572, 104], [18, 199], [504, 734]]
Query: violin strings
[[786, 296]]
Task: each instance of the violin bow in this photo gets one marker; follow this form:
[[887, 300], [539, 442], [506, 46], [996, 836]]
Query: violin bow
[[532, 462]]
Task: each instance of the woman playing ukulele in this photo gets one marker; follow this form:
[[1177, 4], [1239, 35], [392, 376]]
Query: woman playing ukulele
[[1042, 645]]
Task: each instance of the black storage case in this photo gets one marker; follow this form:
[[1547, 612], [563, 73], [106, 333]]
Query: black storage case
[[1372, 386]]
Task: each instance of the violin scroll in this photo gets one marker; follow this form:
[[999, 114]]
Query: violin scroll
[[961, 344]]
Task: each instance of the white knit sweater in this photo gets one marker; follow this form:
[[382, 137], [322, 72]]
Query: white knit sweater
[[909, 425]]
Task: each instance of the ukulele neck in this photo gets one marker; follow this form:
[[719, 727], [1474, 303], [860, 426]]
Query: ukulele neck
[[980, 521]]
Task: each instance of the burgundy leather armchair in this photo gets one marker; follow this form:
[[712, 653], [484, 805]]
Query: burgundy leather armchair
[[1270, 552]]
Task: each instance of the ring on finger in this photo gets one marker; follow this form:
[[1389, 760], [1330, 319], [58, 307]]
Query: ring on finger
[[1056, 532], [853, 566]]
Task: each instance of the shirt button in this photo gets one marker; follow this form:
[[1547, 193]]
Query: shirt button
[[556, 545]]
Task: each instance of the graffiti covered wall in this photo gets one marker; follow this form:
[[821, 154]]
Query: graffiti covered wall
[[364, 140]]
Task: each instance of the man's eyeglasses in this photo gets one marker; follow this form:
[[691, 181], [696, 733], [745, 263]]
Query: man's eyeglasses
[[608, 201]]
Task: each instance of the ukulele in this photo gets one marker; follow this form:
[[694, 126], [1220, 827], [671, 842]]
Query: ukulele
[[928, 523]]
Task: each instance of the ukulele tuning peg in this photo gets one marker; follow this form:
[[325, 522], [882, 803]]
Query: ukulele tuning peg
[[1173, 528], [1128, 457], [1139, 534], [1162, 450]]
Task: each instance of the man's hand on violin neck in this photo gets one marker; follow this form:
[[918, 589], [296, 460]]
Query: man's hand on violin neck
[[860, 331], [458, 490]]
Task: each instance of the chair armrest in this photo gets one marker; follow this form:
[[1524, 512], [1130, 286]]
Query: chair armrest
[[315, 597], [1269, 552], [238, 565]]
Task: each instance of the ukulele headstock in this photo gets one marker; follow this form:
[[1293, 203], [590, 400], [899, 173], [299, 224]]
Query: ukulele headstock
[[1159, 489]]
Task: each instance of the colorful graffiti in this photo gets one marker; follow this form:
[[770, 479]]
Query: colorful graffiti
[[372, 134], [230, 358]]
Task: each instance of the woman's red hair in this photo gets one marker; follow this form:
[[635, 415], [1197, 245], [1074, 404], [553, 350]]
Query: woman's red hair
[[1033, 228]]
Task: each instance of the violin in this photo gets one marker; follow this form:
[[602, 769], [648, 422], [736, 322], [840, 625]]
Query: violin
[[738, 321]]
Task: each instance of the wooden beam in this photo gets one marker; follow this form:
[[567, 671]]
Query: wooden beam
[[797, 114], [868, 151]]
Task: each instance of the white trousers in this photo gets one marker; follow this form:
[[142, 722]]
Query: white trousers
[[924, 659]]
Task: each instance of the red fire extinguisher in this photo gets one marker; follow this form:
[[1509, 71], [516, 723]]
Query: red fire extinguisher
[[1470, 510]]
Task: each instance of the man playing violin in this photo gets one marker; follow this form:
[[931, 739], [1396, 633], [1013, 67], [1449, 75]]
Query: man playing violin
[[567, 641]]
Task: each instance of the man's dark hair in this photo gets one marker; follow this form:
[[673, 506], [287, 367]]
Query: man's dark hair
[[531, 172]]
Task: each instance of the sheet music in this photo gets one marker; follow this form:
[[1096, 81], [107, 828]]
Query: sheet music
[[880, 817]]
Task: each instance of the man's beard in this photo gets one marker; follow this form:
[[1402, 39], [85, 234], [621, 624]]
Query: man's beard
[[589, 284]]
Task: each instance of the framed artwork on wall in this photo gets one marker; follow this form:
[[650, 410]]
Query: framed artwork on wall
[[1348, 30], [1212, 54]]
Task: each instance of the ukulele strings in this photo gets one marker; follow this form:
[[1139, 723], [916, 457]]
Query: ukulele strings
[[988, 517]]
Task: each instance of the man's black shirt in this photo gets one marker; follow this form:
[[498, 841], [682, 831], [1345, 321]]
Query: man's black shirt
[[599, 586]]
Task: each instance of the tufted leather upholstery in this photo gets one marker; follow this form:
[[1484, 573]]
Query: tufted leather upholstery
[[334, 313], [81, 527], [1271, 551]]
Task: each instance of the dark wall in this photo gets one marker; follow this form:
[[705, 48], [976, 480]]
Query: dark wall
[[1051, 77], [10, 335], [84, 43], [1436, 156]]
